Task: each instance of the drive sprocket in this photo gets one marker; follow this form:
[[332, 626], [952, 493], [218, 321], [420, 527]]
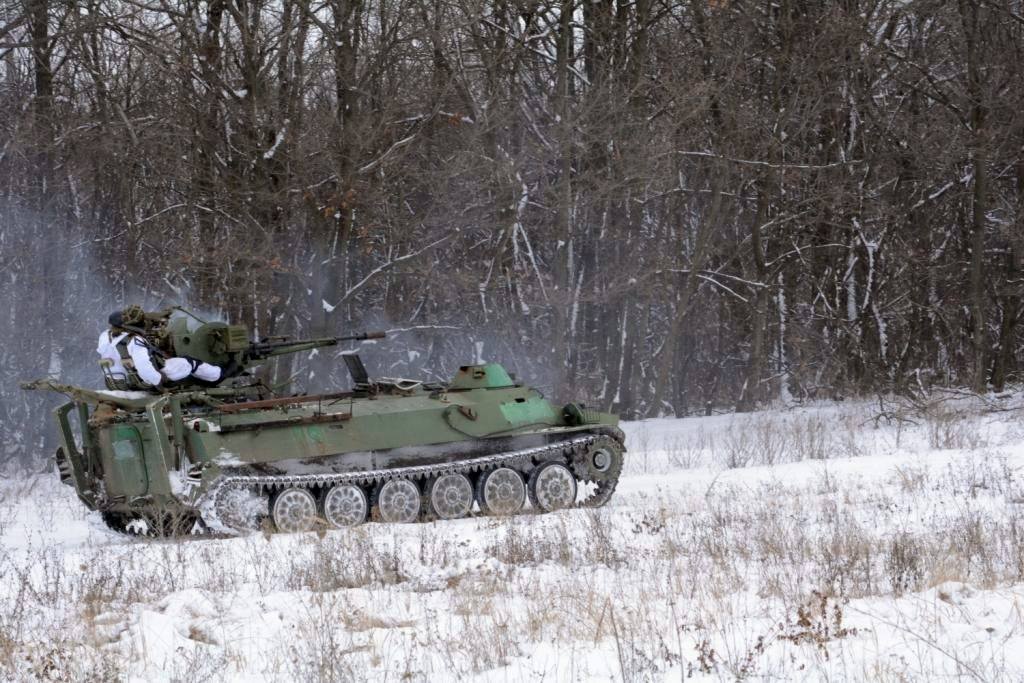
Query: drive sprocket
[[599, 463]]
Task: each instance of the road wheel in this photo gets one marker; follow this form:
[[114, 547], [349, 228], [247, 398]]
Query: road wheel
[[451, 496], [294, 510], [398, 501], [345, 505], [501, 491], [552, 487]]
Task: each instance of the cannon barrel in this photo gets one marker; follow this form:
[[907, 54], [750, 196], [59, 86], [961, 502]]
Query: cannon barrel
[[267, 349]]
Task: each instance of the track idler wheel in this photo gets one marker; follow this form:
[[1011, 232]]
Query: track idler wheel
[[451, 496], [294, 510], [397, 501], [242, 509], [552, 487], [345, 505], [501, 491]]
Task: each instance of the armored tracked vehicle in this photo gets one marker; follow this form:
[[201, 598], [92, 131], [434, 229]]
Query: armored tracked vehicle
[[236, 457]]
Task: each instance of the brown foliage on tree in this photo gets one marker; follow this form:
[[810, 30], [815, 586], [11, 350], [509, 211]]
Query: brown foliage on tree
[[646, 205]]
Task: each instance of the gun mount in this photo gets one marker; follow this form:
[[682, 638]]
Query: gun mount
[[177, 332], [219, 343]]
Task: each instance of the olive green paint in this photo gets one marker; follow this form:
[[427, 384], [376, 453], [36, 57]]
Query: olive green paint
[[186, 433], [127, 473], [531, 411]]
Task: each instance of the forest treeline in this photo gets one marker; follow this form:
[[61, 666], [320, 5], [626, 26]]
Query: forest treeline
[[646, 204]]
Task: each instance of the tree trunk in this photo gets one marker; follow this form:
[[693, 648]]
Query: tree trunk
[[979, 165], [752, 390], [564, 248]]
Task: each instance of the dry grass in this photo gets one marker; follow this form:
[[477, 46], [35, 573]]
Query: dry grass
[[769, 439]]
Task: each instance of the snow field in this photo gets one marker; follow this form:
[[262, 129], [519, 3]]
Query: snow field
[[849, 542]]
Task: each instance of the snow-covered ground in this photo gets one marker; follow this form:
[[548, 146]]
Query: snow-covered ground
[[826, 542]]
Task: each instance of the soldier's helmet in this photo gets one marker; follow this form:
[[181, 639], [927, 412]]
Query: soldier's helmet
[[131, 316]]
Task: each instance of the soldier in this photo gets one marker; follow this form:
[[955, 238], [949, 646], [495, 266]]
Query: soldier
[[131, 362]]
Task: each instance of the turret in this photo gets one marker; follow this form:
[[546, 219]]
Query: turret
[[188, 336], [220, 343]]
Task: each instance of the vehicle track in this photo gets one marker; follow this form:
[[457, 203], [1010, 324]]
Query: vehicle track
[[572, 453]]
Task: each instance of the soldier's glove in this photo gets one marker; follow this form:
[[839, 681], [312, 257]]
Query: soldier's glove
[[231, 369]]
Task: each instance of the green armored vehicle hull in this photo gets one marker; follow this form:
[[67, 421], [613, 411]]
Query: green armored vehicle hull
[[237, 458]]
